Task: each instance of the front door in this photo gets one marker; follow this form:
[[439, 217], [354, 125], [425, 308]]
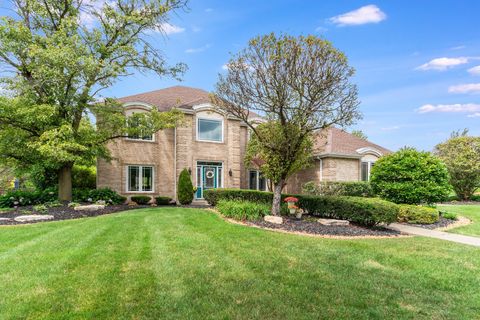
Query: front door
[[209, 176]]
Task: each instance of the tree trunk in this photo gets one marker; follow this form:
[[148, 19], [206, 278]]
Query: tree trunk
[[65, 183], [277, 197]]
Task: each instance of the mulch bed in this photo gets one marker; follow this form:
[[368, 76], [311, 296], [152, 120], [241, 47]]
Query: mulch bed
[[441, 223], [310, 225], [61, 213]]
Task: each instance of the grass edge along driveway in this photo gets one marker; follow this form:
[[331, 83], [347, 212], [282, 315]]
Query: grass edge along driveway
[[188, 263]]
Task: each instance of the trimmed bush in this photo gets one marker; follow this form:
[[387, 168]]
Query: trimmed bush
[[364, 211], [185, 188], [338, 188], [141, 200], [106, 194], [243, 210], [449, 215], [84, 177], [163, 201], [411, 177], [212, 196], [417, 214]]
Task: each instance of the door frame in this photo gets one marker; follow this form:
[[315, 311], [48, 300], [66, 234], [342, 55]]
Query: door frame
[[199, 184]]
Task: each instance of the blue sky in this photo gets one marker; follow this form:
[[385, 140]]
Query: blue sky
[[412, 57]]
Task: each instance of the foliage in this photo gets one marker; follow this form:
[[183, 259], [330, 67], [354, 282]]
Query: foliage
[[41, 208], [93, 195], [300, 85], [359, 134], [411, 177], [185, 189], [141, 200], [242, 210], [338, 188], [27, 197], [84, 177], [449, 215], [417, 214], [461, 154], [365, 211], [212, 196], [60, 61], [165, 201]]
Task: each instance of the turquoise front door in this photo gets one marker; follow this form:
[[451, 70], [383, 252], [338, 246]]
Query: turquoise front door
[[209, 176]]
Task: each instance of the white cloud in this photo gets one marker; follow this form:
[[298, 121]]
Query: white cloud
[[321, 29], [208, 10], [363, 15], [197, 50], [465, 88], [392, 128], [168, 28], [475, 71], [450, 108], [475, 115], [443, 63], [458, 47]]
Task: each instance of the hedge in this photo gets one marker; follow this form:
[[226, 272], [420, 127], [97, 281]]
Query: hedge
[[365, 211], [164, 201], [243, 210], [417, 214], [142, 200], [339, 188]]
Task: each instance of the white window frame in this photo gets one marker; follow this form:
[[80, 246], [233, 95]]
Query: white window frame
[[258, 180], [140, 186], [141, 139], [209, 119], [369, 169]]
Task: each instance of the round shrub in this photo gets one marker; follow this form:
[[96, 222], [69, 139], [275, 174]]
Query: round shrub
[[417, 214], [410, 176], [164, 201], [185, 188], [141, 200]]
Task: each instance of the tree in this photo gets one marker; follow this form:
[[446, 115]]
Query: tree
[[185, 188], [411, 177], [461, 154], [299, 85], [61, 55], [360, 134]]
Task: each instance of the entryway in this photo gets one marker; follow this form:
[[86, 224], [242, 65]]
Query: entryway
[[209, 176]]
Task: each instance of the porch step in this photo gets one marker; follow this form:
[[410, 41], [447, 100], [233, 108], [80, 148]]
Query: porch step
[[199, 202]]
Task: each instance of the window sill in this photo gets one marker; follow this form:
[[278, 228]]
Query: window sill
[[210, 141], [139, 140]]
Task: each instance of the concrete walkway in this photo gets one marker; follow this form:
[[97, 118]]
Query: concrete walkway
[[473, 241]]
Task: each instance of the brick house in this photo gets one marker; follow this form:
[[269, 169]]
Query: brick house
[[212, 147]]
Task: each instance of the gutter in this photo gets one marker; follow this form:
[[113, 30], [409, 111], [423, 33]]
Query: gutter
[[338, 155], [175, 164]]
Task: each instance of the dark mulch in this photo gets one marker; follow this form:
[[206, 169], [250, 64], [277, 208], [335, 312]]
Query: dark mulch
[[441, 223], [311, 226], [61, 213]]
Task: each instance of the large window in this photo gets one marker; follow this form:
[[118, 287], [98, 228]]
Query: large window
[[132, 123], [365, 170], [210, 130], [140, 178], [257, 181]]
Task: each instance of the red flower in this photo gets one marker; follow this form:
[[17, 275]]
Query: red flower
[[291, 199]]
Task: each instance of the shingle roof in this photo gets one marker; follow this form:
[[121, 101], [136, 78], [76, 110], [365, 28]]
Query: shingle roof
[[165, 99], [338, 142]]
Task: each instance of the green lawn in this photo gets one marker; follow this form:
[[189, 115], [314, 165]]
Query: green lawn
[[189, 264], [470, 211]]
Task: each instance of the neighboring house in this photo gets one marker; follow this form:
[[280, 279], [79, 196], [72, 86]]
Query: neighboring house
[[212, 147], [339, 156]]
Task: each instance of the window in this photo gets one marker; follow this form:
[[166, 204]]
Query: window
[[210, 130], [140, 178], [365, 170], [257, 181], [132, 123]]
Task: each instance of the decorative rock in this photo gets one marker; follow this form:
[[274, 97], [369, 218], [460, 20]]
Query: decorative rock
[[273, 219], [33, 217], [5, 219], [101, 202], [333, 222], [132, 204], [153, 205], [90, 207]]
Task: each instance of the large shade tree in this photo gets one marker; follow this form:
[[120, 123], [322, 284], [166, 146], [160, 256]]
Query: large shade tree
[[56, 56], [298, 85]]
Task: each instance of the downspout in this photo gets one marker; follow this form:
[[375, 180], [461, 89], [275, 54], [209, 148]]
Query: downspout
[[175, 164], [321, 169]]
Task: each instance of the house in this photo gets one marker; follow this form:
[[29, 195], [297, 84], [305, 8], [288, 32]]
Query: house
[[212, 147]]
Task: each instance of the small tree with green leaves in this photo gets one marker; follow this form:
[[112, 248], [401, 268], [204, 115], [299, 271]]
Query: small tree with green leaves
[[410, 176], [61, 54], [461, 154], [299, 85], [360, 134], [185, 189]]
